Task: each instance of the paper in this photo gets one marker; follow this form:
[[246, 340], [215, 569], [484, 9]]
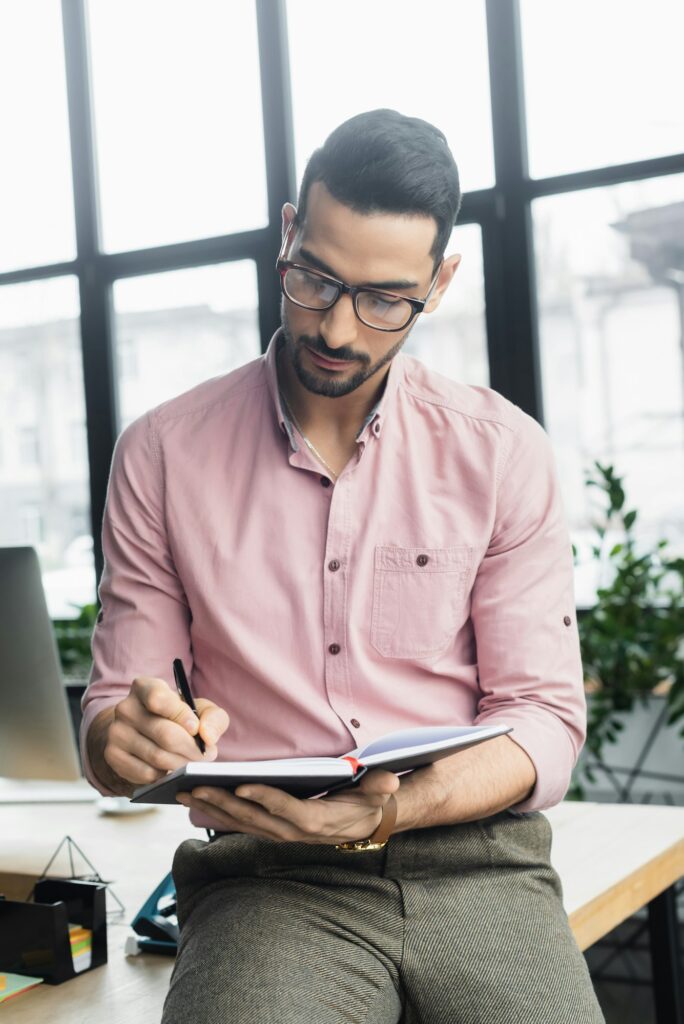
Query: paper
[[14, 984]]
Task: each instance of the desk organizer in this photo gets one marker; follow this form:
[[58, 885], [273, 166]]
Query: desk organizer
[[34, 936]]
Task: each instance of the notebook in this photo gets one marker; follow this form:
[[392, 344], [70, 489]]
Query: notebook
[[401, 751]]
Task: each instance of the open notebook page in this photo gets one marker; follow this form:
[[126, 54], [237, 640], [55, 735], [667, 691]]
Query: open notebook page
[[431, 736]]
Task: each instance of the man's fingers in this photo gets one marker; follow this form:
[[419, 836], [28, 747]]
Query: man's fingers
[[151, 732], [213, 720], [186, 718], [268, 828], [128, 739], [157, 697], [350, 813], [163, 732], [172, 731], [275, 801], [251, 816], [130, 768]]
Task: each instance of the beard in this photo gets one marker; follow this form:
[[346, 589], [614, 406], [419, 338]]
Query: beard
[[319, 383]]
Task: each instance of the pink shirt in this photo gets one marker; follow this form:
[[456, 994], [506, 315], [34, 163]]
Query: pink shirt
[[432, 583]]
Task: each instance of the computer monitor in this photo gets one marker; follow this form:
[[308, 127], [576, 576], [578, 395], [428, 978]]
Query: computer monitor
[[37, 740]]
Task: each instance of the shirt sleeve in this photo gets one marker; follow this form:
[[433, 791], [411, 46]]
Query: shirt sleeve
[[144, 620], [524, 619]]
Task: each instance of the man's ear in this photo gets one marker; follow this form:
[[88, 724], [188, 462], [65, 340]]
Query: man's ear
[[449, 268], [289, 212]]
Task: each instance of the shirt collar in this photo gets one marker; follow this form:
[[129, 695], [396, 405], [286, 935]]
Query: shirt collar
[[375, 417]]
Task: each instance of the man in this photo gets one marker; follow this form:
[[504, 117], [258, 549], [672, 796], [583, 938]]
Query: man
[[339, 542]]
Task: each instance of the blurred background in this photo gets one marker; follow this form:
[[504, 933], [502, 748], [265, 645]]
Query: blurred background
[[147, 149], [149, 146]]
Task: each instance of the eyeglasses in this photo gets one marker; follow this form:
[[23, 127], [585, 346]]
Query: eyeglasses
[[383, 311]]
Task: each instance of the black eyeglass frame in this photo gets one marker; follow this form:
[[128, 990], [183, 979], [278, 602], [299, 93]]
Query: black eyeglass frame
[[418, 305]]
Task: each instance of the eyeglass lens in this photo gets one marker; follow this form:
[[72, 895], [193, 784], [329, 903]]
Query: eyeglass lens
[[376, 310]]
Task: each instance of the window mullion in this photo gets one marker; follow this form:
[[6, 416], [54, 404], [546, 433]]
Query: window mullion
[[515, 369], [95, 299], [278, 147]]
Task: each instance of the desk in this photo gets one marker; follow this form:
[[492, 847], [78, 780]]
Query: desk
[[613, 859], [134, 853]]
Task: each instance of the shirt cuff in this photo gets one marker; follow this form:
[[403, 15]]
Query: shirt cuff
[[92, 710]]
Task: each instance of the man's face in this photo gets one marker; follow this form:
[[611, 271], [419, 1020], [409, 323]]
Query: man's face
[[383, 250]]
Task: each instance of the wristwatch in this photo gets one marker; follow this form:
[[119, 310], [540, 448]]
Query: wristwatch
[[381, 835]]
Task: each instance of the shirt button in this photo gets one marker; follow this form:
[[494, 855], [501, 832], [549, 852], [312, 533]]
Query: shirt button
[[325, 482], [334, 565], [567, 620], [334, 648], [355, 722], [422, 559], [376, 427]]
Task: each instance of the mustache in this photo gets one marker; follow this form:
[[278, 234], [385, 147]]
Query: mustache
[[318, 346]]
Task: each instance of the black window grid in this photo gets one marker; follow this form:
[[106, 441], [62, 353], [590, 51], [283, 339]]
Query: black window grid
[[503, 213]]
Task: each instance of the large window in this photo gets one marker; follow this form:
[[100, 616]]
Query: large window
[[181, 129], [611, 292], [36, 208], [453, 340], [180, 147], [390, 53], [603, 82], [177, 329], [44, 496]]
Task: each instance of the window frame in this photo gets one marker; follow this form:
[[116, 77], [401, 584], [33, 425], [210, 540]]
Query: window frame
[[503, 213]]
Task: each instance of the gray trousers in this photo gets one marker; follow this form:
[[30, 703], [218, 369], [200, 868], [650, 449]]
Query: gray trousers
[[459, 924]]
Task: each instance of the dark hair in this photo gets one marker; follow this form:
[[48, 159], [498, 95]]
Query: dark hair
[[383, 161]]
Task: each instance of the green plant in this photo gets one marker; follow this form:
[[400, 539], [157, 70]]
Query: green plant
[[73, 641], [632, 639]]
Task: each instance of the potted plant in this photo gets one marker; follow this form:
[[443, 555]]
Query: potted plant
[[632, 640], [73, 643]]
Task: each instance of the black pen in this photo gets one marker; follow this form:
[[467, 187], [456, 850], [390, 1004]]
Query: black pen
[[183, 688]]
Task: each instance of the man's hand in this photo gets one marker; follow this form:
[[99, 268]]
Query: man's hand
[[273, 814], [149, 733]]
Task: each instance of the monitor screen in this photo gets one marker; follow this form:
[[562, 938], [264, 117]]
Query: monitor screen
[[37, 739]]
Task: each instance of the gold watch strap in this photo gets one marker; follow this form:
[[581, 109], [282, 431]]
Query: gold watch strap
[[381, 835]]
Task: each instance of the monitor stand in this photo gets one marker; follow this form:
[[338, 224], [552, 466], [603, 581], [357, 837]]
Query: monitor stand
[[46, 791]]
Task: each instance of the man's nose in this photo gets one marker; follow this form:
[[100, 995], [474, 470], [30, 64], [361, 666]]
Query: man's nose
[[340, 325]]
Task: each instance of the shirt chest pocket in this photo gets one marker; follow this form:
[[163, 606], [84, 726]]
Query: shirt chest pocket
[[418, 596]]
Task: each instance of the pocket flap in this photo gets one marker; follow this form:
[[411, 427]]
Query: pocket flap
[[422, 559]]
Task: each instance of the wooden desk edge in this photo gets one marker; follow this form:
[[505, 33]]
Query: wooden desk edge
[[613, 906]]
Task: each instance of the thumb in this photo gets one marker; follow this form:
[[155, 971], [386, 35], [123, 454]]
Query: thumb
[[379, 782], [213, 720]]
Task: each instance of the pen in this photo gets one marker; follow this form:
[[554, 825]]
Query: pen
[[183, 688]]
